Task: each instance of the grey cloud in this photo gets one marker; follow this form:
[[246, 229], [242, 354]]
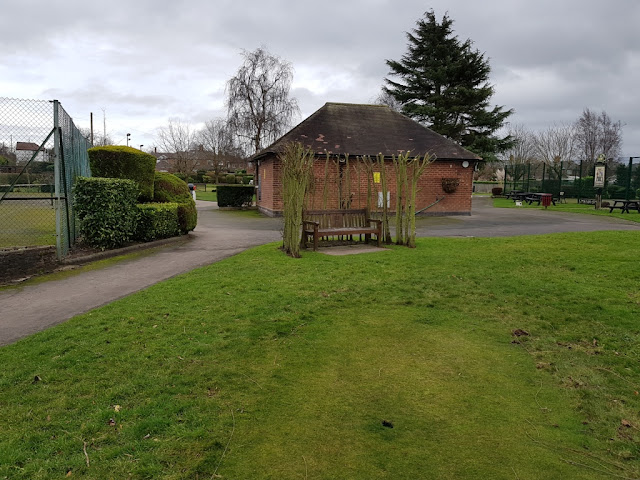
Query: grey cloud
[[146, 61]]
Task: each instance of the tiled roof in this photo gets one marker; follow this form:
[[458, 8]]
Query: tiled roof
[[32, 147], [344, 128]]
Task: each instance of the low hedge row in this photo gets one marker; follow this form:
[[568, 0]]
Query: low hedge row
[[157, 220], [169, 188], [235, 195], [106, 208], [111, 217]]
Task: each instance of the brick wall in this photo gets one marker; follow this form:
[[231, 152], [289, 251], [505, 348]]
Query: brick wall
[[19, 263], [353, 190]]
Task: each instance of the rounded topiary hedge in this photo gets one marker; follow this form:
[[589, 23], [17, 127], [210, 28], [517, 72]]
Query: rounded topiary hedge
[[169, 188], [116, 161], [106, 208]]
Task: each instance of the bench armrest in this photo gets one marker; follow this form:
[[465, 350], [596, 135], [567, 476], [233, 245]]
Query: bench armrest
[[374, 220], [310, 222]]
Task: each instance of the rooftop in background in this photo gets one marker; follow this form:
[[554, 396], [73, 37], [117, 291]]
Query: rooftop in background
[[28, 146], [355, 129]]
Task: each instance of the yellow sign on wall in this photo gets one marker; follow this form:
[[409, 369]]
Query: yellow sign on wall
[[376, 177]]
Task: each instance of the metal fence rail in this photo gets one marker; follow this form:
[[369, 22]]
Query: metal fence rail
[[41, 154]]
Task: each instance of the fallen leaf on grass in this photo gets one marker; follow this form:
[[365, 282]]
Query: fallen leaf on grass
[[626, 423]]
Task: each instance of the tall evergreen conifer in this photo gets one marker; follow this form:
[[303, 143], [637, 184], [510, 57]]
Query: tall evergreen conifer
[[444, 84]]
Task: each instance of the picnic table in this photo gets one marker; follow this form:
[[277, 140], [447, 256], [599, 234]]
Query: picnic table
[[515, 194], [531, 197], [625, 205]]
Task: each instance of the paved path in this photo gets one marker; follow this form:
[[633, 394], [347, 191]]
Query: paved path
[[487, 221], [221, 234], [218, 235]]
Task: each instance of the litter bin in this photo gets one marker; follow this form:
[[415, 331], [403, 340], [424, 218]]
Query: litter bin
[[546, 199], [192, 189]]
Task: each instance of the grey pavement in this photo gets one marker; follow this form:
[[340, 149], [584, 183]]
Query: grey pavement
[[220, 234], [486, 221]]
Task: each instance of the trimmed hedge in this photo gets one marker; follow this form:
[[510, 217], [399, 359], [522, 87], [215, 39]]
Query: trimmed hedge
[[235, 195], [157, 220], [116, 161], [187, 216], [169, 188], [106, 208]]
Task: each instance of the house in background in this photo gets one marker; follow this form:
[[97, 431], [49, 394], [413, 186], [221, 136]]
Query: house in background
[[25, 150], [353, 130]]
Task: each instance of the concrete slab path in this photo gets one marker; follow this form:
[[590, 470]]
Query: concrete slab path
[[220, 234]]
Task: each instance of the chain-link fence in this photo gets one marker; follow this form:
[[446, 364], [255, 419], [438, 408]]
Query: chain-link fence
[[41, 153]]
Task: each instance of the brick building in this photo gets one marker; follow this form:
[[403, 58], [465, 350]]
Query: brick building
[[349, 132]]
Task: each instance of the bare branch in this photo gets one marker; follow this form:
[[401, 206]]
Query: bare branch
[[258, 103]]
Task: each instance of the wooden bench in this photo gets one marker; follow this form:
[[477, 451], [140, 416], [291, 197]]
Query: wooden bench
[[331, 223]]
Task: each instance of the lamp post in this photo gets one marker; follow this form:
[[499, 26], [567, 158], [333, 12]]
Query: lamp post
[[141, 147], [626, 197], [128, 137]]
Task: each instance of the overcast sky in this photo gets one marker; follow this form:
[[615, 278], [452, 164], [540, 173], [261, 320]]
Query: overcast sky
[[146, 61]]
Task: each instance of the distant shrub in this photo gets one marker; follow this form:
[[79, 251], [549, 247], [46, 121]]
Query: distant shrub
[[230, 178], [496, 191], [157, 220], [235, 195], [106, 208], [615, 191], [125, 162], [181, 176]]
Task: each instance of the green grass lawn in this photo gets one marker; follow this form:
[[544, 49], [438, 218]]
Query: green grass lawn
[[209, 195], [27, 223], [397, 364], [571, 206]]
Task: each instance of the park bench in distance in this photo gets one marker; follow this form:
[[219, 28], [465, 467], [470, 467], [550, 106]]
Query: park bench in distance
[[319, 224]]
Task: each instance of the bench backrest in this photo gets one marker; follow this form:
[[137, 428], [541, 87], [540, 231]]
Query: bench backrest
[[337, 218]]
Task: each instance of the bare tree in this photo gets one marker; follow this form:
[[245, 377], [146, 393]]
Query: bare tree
[[258, 103], [98, 138], [611, 142], [218, 143], [385, 98], [556, 145], [521, 153], [179, 140], [597, 134]]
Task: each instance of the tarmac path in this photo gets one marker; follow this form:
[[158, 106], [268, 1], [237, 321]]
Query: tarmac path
[[221, 234]]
